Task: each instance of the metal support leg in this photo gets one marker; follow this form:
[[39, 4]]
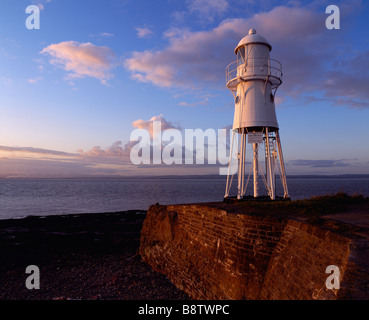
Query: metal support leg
[[229, 168], [243, 163], [271, 171], [255, 147], [240, 159], [283, 171]]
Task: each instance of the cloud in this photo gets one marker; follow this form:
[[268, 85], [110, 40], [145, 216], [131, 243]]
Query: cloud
[[143, 32], [39, 162], [187, 104], [34, 80], [347, 85], [82, 59], [114, 160], [115, 150], [197, 59], [202, 56], [319, 163], [46, 168], [207, 8], [33, 153], [205, 11], [118, 150], [102, 35], [106, 35], [150, 67], [120, 154], [201, 101], [148, 124]]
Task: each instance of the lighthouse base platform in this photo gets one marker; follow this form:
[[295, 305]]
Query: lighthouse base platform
[[252, 198]]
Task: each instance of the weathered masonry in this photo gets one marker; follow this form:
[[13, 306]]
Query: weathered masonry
[[212, 253]]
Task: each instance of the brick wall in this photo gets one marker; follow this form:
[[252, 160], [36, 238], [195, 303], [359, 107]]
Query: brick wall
[[298, 264], [214, 254]]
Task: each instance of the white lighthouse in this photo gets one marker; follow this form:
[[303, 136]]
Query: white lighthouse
[[253, 80]]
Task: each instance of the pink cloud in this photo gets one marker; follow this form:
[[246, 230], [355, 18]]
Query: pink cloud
[[148, 124], [196, 60], [149, 67], [6, 150], [202, 56], [82, 59], [34, 80], [117, 150]]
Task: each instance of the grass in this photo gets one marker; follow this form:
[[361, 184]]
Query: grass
[[313, 209]]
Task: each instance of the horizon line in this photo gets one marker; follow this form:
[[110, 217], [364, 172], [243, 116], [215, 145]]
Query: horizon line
[[179, 176]]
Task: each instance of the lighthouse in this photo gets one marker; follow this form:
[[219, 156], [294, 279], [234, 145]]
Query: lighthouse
[[253, 80]]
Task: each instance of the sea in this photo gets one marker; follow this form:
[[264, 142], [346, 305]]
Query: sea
[[20, 198]]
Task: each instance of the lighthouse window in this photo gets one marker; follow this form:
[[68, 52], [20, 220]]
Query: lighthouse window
[[241, 56], [272, 97]]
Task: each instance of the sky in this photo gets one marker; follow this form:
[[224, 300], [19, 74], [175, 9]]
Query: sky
[[73, 91]]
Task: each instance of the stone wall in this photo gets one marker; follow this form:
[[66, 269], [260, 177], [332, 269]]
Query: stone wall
[[213, 254]]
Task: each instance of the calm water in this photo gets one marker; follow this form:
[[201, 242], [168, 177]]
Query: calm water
[[20, 198]]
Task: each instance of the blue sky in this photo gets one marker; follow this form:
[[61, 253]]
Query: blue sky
[[72, 91]]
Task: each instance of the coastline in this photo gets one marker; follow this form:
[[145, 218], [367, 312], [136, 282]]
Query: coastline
[[80, 257], [95, 256]]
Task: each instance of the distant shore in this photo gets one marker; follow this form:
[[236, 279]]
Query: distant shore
[[80, 257], [184, 176]]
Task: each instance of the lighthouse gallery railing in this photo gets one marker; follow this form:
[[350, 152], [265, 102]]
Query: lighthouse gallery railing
[[254, 67]]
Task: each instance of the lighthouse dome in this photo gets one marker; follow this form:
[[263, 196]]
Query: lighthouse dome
[[253, 38]]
